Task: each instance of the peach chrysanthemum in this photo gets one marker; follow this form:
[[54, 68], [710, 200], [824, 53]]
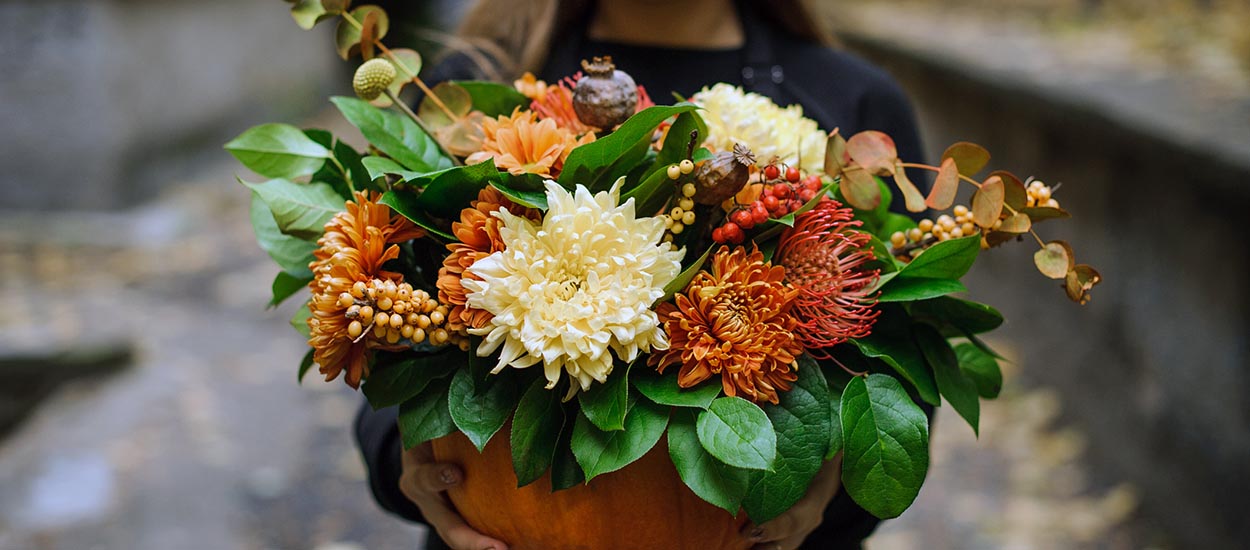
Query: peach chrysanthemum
[[523, 144], [478, 232], [356, 243], [824, 256], [530, 86], [734, 322]]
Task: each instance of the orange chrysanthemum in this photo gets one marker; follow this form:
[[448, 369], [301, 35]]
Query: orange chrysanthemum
[[353, 248], [735, 322], [478, 232], [824, 256], [522, 144], [530, 86]]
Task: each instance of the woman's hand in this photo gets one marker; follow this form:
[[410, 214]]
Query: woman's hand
[[787, 531], [423, 481]]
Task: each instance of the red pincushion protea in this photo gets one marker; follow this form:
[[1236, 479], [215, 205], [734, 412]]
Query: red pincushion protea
[[824, 256]]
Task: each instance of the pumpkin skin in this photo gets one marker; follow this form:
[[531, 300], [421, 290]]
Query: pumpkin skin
[[644, 505]]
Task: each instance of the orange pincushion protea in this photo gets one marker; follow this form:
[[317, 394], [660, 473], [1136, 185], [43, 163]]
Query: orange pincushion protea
[[735, 322], [523, 144], [824, 257], [352, 250], [478, 232]]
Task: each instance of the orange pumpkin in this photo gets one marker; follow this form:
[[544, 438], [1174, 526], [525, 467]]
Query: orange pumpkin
[[644, 505]]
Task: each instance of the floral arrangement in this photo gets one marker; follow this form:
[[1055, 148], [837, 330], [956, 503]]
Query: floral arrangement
[[591, 272]]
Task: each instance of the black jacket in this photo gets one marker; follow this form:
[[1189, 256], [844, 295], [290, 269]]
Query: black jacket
[[835, 88]]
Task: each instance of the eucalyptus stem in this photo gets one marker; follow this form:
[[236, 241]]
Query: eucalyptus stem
[[404, 107], [395, 61]]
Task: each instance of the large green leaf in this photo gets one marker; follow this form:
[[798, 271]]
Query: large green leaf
[[958, 390], [663, 389], [299, 321], [426, 416], [286, 285], [945, 260], [738, 433], [835, 427], [406, 205], [802, 422], [378, 167], [292, 254], [396, 135], [887, 445], [535, 431], [395, 379], [677, 141], [907, 289], [714, 481], [967, 316], [597, 165], [305, 365], [599, 452], [278, 151], [299, 209], [565, 471], [891, 341], [605, 404], [478, 411], [981, 368], [446, 192], [493, 99]]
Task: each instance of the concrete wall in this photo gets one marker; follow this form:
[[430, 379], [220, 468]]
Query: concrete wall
[[1155, 368], [103, 102]]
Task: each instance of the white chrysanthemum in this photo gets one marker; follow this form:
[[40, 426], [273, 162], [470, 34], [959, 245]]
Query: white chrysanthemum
[[566, 292], [735, 116]]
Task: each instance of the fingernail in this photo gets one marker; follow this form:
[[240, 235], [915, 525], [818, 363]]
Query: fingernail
[[757, 533], [447, 476]]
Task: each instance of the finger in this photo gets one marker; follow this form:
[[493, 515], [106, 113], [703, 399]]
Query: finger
[[453, 529], [433, 478], [781, 527], [752, 532]]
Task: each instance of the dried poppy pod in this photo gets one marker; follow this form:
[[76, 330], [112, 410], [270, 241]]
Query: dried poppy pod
[[604, 97], [722, 177]]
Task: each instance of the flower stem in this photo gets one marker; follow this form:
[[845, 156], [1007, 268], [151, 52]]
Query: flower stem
[[408, 73], [404, 107], [848, 370]]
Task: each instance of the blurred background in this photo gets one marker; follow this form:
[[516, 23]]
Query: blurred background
[[148, 400]]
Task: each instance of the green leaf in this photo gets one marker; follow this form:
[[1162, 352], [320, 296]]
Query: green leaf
[[393, 383], [307, 13], [278, 151], [679, 283], [304, 365], [802, 422], [968, 316], [299, 321], [981, 368], [677, 141], [493, 99], [908, 289], [598, 164], [406, 205], [718, 483], [351, 160], [835, 426], [480, 412], [446, 192], [665, 391], [532, 199], [536, 429], [396, 135], [891, 341], [650, 196], [945, 260], [286, 285], [737, 432], [426, 416], [599, 452], [378, 167], [565, 471], [605, 404], [887, 445], [292, 254], [958, 390], [300, 209]]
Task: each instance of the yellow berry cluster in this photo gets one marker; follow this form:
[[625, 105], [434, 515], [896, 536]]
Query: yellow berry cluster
[[391, 312], [913, 241], [676, 219], [1039, 195]]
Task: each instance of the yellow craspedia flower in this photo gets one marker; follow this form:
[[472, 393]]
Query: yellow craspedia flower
[[736, 116], [566, 291]]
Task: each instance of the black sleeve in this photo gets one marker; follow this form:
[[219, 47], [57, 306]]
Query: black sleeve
[[377, 434], [884, 107]]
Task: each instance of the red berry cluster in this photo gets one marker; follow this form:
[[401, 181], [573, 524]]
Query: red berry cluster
[[780, 197]]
